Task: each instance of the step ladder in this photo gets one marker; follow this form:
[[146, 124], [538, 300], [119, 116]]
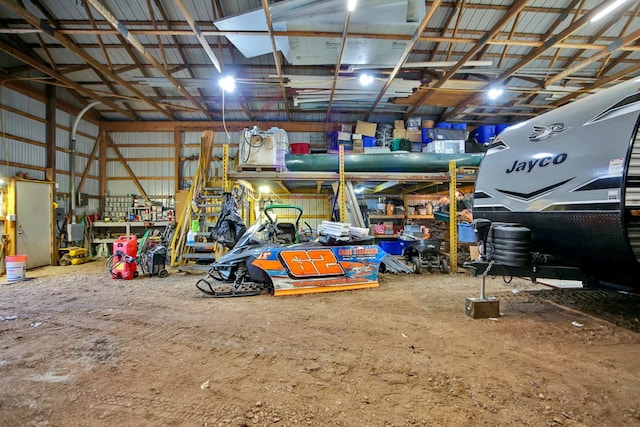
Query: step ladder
[[206, 207], [203, 203]]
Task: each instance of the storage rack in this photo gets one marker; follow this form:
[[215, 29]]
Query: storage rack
[[117, 208]]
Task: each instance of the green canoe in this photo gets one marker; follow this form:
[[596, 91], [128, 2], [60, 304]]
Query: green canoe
[[384, 162]]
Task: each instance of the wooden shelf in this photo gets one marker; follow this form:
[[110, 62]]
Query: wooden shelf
[[420, 217], [130, 223], [103, 240], [385, 236], [386, 216]]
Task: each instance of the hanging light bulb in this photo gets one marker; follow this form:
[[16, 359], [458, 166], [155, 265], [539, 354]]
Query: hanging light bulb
[[351, 5], [495, 92], [366, 79], [228, 84]]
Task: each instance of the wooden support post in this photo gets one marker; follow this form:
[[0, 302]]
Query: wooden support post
[[50, 133], [176, 157], [103, 167]]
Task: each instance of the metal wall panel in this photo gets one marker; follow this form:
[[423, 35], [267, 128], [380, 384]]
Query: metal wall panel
[[142, 138], [21, 102], [24, 127]]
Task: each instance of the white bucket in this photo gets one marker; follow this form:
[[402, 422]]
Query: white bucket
[[16, 267]]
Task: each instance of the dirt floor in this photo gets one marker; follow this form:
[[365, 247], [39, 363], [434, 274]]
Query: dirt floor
[[78, 348]]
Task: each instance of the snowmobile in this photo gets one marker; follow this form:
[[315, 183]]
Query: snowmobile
[[268, 259]]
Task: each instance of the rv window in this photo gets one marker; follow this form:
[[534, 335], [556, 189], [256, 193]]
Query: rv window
[[624, 102]]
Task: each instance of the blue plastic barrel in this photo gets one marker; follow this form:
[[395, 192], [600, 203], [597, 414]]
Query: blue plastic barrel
[[443, 125], [460, 126]]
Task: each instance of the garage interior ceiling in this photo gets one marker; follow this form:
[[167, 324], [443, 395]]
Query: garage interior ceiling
[[300, 60]]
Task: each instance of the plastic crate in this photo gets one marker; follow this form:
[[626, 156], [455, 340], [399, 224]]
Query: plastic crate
[[484, 133], [368, 141], [392, 247]]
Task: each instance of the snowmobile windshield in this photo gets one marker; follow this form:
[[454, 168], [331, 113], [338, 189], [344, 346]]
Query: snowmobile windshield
[[255, 233]]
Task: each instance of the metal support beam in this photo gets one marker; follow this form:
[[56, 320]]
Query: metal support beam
[[341, 193], [453, 214]]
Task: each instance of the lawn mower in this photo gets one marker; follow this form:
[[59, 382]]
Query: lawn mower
[[424, 254]]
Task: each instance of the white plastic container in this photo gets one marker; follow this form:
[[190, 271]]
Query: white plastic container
[[16, 267]]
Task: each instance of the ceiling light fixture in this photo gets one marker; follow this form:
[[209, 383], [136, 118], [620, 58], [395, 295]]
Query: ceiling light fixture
[[494, 93], [607, 10], [351, 5], [228, 84], [366, 79]]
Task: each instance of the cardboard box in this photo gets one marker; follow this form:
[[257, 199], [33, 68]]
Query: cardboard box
[[366, 128], [414, 135], [346, 128], [399, 133], [398, 124], [344, 136], [357, 146]]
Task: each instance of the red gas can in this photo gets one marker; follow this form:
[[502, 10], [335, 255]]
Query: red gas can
[[123, 261], [126, 245]]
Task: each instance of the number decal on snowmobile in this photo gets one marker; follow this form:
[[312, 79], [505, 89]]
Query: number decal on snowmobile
[[311, 263]]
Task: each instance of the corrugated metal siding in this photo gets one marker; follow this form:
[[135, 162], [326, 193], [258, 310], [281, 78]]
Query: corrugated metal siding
[[155, 176]]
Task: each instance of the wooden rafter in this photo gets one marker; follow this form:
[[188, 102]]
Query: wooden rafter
[[500, 39], [479, 44], [67, 43], [217, 14], [114, 147], [198, 33], [92, 157], [600, 83], [32, 62], [550, 42], [405, 54], [456, 30], [336, 73], [617, 45], [605, 51], [176, 44], [276, 57], [135, 42]]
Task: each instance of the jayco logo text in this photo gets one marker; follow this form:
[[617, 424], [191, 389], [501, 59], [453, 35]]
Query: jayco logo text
[[529, 165]]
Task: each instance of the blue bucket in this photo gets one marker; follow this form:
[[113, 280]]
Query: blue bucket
[[466, 234], [460, 126]]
